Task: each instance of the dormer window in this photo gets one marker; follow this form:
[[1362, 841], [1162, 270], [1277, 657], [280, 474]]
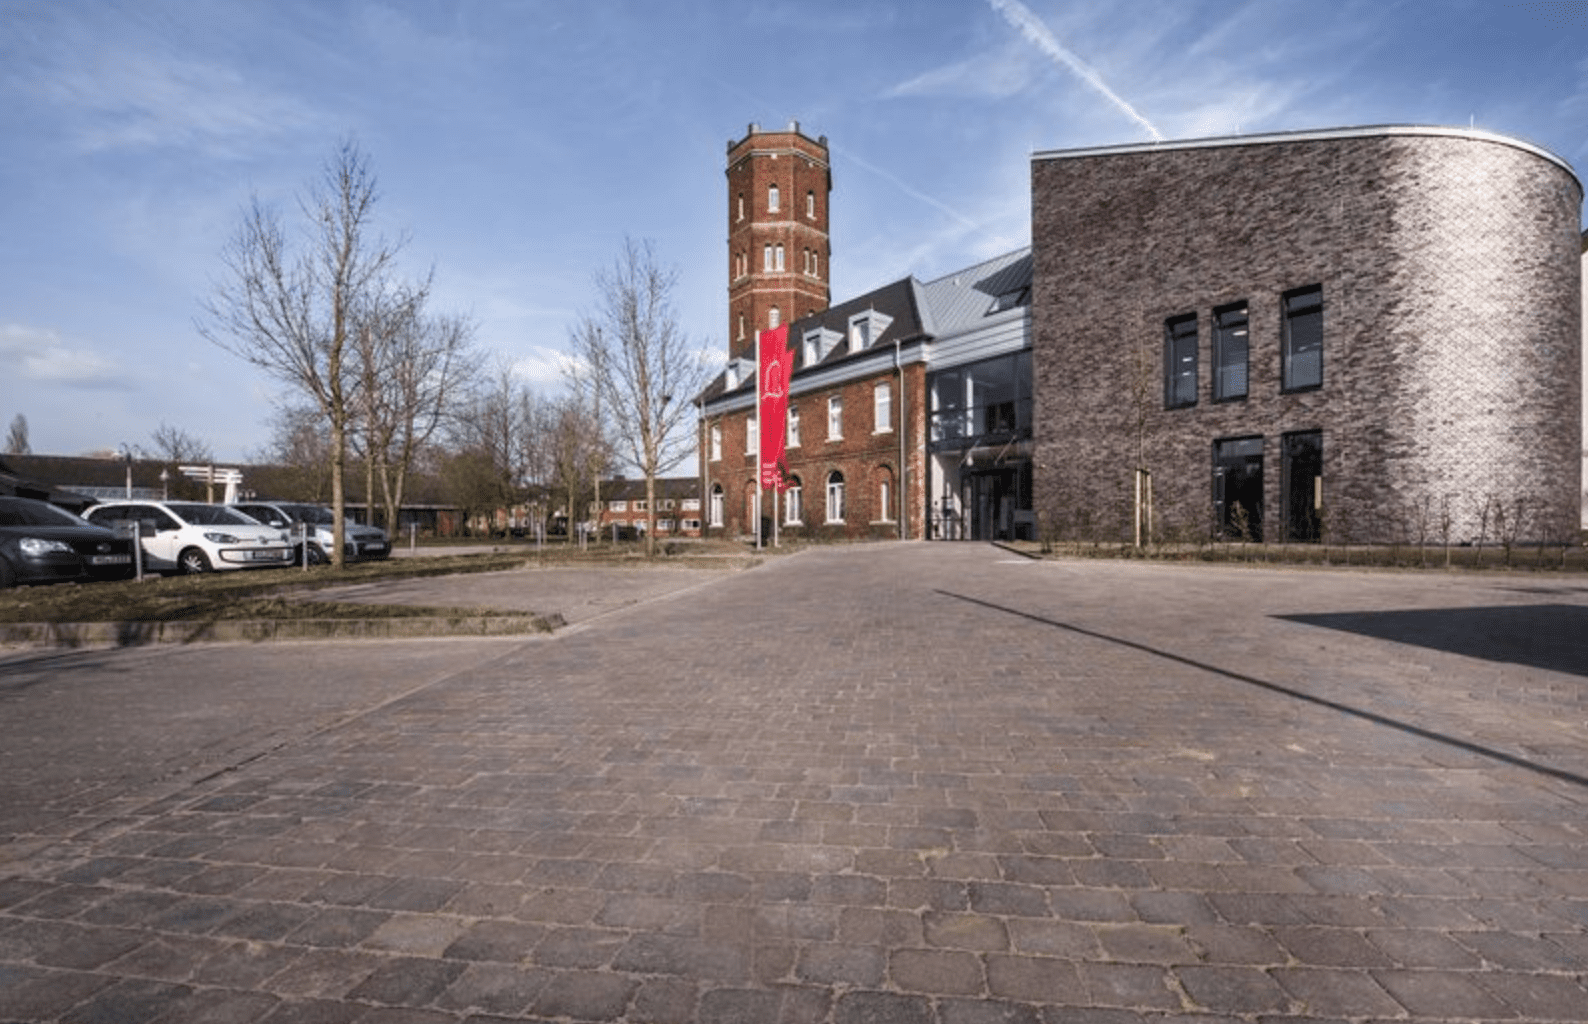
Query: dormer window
[[771, 198], [818, 343], [1010, 299], [865, 328]]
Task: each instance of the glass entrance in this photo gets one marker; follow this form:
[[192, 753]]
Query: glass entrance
[[1238, 488], [995, 501]]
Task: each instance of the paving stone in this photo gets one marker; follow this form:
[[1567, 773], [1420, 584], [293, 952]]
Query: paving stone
[[1337, 992], [936, 972], [585, 995]]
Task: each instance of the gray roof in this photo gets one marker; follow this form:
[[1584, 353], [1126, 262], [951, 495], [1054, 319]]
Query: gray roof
[[962, 300]]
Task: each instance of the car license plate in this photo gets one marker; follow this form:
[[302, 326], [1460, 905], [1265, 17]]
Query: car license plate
[[110, 560], [267, 556]]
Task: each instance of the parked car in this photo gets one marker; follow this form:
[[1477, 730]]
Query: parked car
[[40, 543], [191, 537], [358, 542]]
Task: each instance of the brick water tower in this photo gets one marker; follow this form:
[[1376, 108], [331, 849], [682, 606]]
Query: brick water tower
[[779, 256]]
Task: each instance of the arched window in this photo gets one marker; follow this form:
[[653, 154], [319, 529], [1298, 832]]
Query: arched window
[[716, 505], [779, 254], [741, 206], [774, 317], [835, 497], [771, 198], [766, 256], [793, 502], [810, 204], [883, 476]]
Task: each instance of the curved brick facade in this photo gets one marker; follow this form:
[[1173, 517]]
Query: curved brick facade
[[1452, 363]]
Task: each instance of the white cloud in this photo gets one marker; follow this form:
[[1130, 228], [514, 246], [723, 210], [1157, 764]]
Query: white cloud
[[41, 357]]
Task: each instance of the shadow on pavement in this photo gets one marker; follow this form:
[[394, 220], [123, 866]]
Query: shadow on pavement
[[1363, 714], [1547, 636]]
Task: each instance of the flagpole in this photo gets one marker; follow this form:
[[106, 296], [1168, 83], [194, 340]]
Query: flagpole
[[759, 426]]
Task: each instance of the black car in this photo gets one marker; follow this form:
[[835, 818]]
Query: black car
[[40, 543]]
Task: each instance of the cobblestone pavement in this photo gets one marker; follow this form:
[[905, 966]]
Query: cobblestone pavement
[[888, 783]]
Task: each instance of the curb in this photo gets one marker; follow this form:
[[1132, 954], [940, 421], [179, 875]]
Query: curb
[[139, 634]]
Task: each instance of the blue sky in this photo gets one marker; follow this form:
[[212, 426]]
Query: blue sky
[[517, 143]]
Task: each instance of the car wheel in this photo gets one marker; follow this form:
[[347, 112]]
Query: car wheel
[[316, 556], [193, 561]]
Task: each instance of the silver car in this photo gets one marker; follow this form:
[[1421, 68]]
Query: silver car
[[359, 542]]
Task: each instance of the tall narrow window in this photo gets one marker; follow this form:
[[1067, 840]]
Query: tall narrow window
[[816, 264], [1180, 361], [774, 317], [1303, 343], [716, 505], [771, 198], [793, 502], [882, 407], [835, 497], [741, 206], [1230, 351], [766, 256], [741, 326], [792, 433], [751, 442], [835, 418], [779, 257], [810, 204], [716, 442]]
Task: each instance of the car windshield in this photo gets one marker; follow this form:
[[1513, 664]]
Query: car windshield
[[209, 515], [310, 514], [23, 512]]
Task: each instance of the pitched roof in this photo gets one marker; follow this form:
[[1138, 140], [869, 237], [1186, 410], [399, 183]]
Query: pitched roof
[[963, 300]]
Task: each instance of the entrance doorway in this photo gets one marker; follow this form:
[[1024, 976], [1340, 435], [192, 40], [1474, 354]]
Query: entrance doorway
[[1238, 487], [996, 500]]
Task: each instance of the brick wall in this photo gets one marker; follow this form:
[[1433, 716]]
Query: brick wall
[[1452, 336], [863, 455]]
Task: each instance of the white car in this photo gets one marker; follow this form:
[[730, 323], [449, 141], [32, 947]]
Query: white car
[[191, 537], [358, 542]]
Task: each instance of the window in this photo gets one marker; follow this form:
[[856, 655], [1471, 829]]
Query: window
[[816, 264], [741, 326], [639, 505], [664, 526], [1180, 361], [750, 445], [772, 198], [777, 253], [866, 328], [835, 418], [885, 494], [1010, 299], [791, 433], [882, 407], [1303, 343], [741, 206], [716, 504], [690, 505], [794, 503], [1230, 351], [766, 256], [618, 506], [835, 497], [690, 525], [774, 317], [716, 442], [810, 204]]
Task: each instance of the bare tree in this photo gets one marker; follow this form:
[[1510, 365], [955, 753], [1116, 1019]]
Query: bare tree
[[175, 445], [298, 456], [291, 310], [577, 449], [643, 368], [411, 367], [17, 437]]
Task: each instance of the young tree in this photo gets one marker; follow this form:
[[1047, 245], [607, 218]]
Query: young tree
[[291, 310], [642, 367], [17, 437]]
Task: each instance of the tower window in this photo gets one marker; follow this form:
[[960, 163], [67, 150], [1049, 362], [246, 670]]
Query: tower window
[[810, 204], [741, 206], [771, 198], [766, 257], [774, 317], [779, 255]]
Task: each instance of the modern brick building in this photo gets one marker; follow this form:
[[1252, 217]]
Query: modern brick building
[[1343, 331], [1361, 335]]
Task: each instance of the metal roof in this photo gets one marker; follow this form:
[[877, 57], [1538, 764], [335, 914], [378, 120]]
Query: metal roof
[[963, 300]]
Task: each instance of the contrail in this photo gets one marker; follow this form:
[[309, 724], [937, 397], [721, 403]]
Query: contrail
[[1030, 26], [922, 196]]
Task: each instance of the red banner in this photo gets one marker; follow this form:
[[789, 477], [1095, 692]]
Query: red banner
[[772, 409]]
